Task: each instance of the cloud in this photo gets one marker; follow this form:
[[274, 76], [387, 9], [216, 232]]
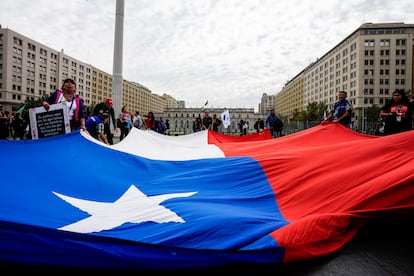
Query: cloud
[[229, 52]]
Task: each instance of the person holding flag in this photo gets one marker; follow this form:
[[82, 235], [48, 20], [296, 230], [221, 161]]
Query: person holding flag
[[107, 107]]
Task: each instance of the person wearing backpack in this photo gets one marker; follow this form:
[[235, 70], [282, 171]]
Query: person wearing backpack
[[278, 126], [274, 124]]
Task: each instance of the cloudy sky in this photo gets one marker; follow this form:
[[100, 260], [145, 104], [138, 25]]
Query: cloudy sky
[[228, 52]]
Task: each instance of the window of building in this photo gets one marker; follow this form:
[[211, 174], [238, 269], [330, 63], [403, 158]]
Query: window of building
[[17, 41], [369, 43], [384, 43], [401, 42], [384, 52]]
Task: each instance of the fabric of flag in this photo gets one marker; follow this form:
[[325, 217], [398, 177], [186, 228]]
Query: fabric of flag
[[143, 204], [21, 109], [225, 118]]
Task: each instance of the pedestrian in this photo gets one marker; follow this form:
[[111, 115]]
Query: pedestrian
[[19, 126], [341, 111], [107, 107], [273, 123], [207, 121], [398, 113], [241, 124], [167, 127], [261, 124], [160, 126], [245, 127], [73, 102], [138, 123], [125, 120], [197, 124], [216, 123], [257, 125], [150, 122]]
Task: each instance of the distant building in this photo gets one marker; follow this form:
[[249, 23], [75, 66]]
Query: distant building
[[267, 103], [31, 70], [369, 64], [181, 119]]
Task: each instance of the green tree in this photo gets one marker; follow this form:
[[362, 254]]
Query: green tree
[[315, 111], [373, 113], [31, 102], [295, 115]]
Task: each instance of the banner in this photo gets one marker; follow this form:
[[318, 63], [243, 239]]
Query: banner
[[46, 123]]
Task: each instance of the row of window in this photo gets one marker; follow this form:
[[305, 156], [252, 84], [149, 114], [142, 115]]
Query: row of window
[[385, 42], [384, 81], [370, 72], [398, 52]]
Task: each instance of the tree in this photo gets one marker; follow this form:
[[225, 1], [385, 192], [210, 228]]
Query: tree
[[295, 114], [315, 111], [373, 113], [31, 102]]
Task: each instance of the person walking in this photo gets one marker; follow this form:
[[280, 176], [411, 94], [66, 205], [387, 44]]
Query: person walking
[[107, 107], [271, 123], [125, 119], [398, 113]]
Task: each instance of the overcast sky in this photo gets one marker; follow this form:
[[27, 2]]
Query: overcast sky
[[228, 52]]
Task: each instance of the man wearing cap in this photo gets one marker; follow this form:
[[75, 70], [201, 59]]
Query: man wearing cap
[[106, 107]]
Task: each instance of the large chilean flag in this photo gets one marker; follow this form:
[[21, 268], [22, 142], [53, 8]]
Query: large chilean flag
[[199, 200]]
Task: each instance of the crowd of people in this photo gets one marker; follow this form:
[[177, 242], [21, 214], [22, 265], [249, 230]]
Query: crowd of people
[[397, 115]]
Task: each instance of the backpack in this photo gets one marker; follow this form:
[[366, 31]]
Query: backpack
[[119, 123], [278, 124], [256, 125]]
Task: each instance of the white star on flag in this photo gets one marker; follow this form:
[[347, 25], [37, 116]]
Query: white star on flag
[[133, 206]]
